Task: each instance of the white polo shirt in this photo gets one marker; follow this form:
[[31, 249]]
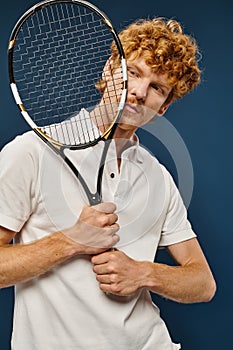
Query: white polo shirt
[[65, 309]]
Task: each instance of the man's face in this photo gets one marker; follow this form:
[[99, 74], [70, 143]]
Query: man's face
[[147, 93]]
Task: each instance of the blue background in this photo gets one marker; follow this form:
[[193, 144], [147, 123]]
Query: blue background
[[204, 120]]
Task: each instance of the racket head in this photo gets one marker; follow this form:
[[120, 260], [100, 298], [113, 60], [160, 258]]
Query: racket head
[[62, 76]]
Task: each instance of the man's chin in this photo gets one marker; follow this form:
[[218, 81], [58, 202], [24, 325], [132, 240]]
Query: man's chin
[[127, 126], [130, 121]]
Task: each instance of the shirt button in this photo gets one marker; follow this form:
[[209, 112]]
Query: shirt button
[[112, 175]]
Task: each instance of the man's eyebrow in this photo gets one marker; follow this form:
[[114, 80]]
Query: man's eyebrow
[[132, 64]]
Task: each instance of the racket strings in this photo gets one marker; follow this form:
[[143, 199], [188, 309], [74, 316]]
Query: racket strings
[[59, 56]]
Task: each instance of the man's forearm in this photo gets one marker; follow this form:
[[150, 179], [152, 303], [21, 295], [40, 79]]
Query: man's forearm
[[22, 262], [185, 284]]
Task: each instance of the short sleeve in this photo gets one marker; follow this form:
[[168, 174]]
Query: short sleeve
[[17, 174], [176, 227]]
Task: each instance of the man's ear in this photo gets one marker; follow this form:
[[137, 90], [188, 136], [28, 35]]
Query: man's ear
[[163, 109]]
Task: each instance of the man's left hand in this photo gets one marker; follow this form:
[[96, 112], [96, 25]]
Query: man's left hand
[[117, 273]]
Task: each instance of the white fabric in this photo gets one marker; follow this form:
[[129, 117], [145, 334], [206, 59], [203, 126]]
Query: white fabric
[[65, 309]]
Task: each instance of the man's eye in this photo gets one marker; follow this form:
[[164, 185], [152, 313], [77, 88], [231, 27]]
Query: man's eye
[[131, 72], [157, 88]]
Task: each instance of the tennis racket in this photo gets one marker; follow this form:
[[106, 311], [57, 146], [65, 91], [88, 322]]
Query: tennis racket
[[69, 88]]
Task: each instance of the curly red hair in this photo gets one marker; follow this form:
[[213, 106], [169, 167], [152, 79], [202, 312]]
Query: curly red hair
[[166, 49]]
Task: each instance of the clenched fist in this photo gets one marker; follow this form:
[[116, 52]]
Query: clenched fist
[[96, 228]]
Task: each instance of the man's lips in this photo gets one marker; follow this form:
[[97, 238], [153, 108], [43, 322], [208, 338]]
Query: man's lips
[[132, 107]]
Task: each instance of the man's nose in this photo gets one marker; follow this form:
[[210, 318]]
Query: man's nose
[[139, 90]]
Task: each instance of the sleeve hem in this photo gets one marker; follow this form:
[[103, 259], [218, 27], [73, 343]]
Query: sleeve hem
[[11, 223], [177, 237]]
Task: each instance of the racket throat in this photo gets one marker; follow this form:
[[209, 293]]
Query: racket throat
[[93, 198], [101, 166]]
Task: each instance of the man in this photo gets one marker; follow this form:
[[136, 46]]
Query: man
[[72, 290]]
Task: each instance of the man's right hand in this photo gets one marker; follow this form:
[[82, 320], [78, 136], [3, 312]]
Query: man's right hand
[[96, 228]]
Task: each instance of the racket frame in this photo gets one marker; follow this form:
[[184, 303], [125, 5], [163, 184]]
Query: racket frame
[[57, 147]]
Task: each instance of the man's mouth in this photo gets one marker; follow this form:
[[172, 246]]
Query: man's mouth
[[132, 107]]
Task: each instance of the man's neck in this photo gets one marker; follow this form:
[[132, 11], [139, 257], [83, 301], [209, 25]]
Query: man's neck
[[122, 143]]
